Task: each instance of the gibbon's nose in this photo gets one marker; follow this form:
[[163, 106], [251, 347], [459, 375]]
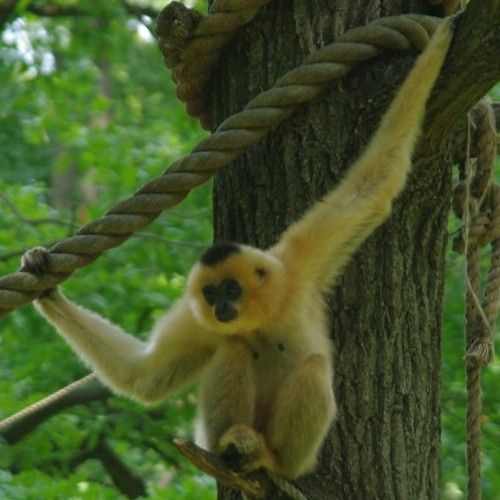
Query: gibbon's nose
[[225, 311]]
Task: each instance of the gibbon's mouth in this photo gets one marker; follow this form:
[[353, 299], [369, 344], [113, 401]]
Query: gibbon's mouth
[[225, 311]]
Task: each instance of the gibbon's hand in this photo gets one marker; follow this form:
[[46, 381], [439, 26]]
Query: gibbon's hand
[[36, 261]]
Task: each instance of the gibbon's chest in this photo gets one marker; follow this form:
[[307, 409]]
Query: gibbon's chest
[[285, 344], [273, 354], [273, 358], [276, 354]]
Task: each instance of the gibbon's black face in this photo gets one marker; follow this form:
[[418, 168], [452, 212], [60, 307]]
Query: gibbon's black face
[[235, 289], [222, 297]]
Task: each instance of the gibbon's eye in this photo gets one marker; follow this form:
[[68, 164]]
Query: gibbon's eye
[[227, 289], [230, 289], [210, 292], [260, 272]]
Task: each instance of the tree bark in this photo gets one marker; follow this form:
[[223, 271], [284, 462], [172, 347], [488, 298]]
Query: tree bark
[[387, 307]]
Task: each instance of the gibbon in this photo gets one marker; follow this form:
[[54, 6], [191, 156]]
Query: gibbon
[[253, 324]]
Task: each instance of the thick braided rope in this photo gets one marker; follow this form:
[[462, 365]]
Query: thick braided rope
[[191, 45], [481, 208], [230, 139]]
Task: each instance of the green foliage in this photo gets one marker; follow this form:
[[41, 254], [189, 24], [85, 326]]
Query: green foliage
[[37, 484]]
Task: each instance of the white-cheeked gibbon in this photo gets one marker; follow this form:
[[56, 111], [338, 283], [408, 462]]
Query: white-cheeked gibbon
[[253, 324]]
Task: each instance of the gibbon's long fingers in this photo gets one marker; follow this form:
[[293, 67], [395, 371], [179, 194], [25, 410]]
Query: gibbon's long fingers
[[318, 246]]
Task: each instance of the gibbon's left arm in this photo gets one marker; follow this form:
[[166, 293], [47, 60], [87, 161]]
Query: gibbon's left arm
[[146, 371], [317, 247]]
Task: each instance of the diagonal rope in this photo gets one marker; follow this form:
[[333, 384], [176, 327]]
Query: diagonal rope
[[230, 139], [43, 403]]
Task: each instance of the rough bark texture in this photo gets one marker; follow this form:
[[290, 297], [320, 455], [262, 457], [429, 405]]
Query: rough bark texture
[[387, 308]]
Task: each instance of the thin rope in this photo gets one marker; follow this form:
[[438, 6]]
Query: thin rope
[[230, 139], [33, 408]]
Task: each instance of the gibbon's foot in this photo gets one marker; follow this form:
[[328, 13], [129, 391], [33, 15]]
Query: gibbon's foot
[[36, 261], [245, 449]]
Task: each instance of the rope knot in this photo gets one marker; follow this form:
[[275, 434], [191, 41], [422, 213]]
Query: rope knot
[[480, 352], [174, 26]]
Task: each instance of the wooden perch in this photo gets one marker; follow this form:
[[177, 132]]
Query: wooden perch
[[255, 485]]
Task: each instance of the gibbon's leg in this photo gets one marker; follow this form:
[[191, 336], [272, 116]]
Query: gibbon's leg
[[227, 393], [301, 416], [329, 233], [146, 371]]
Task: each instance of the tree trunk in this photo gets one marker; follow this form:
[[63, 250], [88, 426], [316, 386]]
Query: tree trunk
[[387, 307]]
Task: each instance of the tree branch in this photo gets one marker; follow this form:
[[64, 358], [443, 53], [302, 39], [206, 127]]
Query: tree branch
[[471, 69], [33, 221], [8, 10], [256, 485], [139, 10], [129, 483], [496, 111], [125, 479], [55, 10]]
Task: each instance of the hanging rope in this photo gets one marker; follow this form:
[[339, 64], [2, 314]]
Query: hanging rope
[[230, 139], [478, 202]]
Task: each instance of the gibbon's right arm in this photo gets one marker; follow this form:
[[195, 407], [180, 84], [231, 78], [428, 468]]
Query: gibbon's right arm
[[319, 245], [145, 371]]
